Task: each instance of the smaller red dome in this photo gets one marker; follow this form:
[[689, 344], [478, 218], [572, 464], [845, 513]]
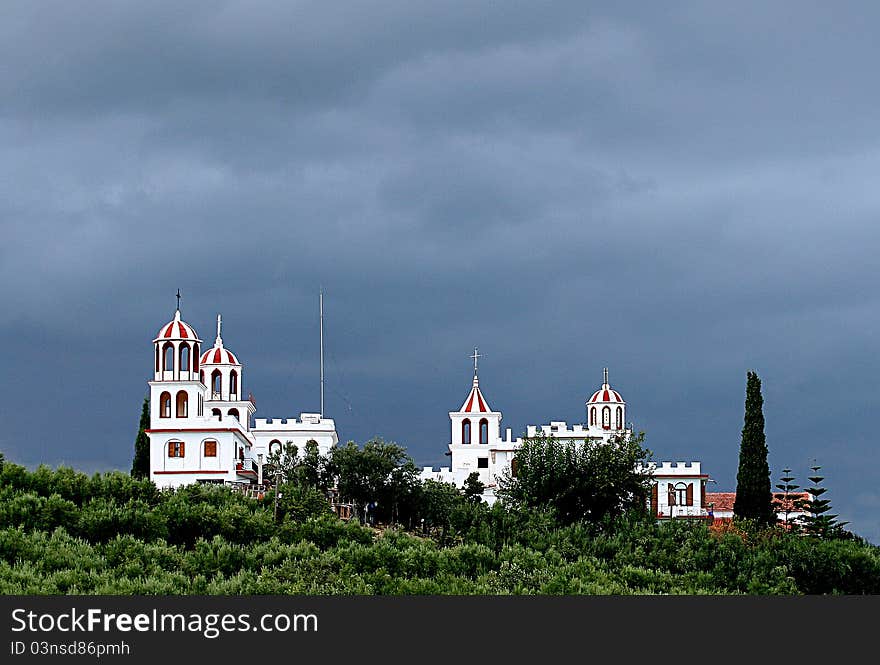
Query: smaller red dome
[[605, 395], [218, 356]]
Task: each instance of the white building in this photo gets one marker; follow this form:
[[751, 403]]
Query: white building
[[679, 490], [200, 423], [476, 444]]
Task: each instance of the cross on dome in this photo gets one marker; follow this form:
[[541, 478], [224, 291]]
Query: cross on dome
[[218, 354]]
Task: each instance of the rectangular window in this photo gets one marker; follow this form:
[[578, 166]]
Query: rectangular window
[[175, 449], [210, 449], [482, 462], [681, 496]]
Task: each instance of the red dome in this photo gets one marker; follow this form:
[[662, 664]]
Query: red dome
[[606, 395], [218, 356], [177, 330]]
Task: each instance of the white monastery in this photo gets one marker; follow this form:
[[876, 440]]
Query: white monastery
[[202, 428], [200, 423], [476, 445]]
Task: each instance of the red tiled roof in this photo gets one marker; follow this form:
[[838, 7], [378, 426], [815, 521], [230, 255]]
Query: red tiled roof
[[722, 500], [725, 500], [780, 505]]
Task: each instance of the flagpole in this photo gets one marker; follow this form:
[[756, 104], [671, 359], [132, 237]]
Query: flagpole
[[321, 300]]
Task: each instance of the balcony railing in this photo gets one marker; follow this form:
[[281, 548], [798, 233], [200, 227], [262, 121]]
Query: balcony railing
[[246, 465], [681, 511]]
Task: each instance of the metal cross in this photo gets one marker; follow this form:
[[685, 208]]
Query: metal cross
[[476, 356], [178, 298]]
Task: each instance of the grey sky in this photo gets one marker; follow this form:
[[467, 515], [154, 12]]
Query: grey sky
[[680, 192]]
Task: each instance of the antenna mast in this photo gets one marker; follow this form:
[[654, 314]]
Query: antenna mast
[[321, 301]]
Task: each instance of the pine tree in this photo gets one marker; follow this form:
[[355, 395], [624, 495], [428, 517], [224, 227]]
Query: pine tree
[[754, 499], [817, 521], [783, 500], [140, 466]]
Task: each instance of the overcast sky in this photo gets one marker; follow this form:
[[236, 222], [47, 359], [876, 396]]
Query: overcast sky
[[678, 191]]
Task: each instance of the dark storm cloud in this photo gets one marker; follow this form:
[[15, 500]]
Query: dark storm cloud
[[680, 193]]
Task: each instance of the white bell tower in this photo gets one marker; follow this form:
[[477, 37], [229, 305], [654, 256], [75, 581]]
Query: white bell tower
[[606, 409], [176, 392], [221, 373]]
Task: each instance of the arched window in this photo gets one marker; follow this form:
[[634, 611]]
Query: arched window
[[216, 382], [175, 449], [484, 431], [165, 405], [593, 416], [466, 430], [514, 467], [217, 414], [683, 495], [233, 384], [168, 357], [184, 357], [274, 447], [210, 448], [195, 356], [202, 376], [234, 413], [182, 403], [157, 357], [606, 417], [619, 417]]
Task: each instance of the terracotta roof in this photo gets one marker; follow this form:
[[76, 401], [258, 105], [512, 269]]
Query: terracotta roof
[[722, 500], [725, 500], [780, 505]]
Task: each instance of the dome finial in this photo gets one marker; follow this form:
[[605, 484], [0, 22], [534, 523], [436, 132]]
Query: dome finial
[[178, 300], [606, 377], [219, 341]]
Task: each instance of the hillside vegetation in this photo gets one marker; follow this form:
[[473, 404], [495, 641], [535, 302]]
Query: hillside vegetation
[[62, 532]]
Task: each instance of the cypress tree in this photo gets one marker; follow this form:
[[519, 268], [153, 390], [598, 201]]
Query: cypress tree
[[754, 499], [140, 466]]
